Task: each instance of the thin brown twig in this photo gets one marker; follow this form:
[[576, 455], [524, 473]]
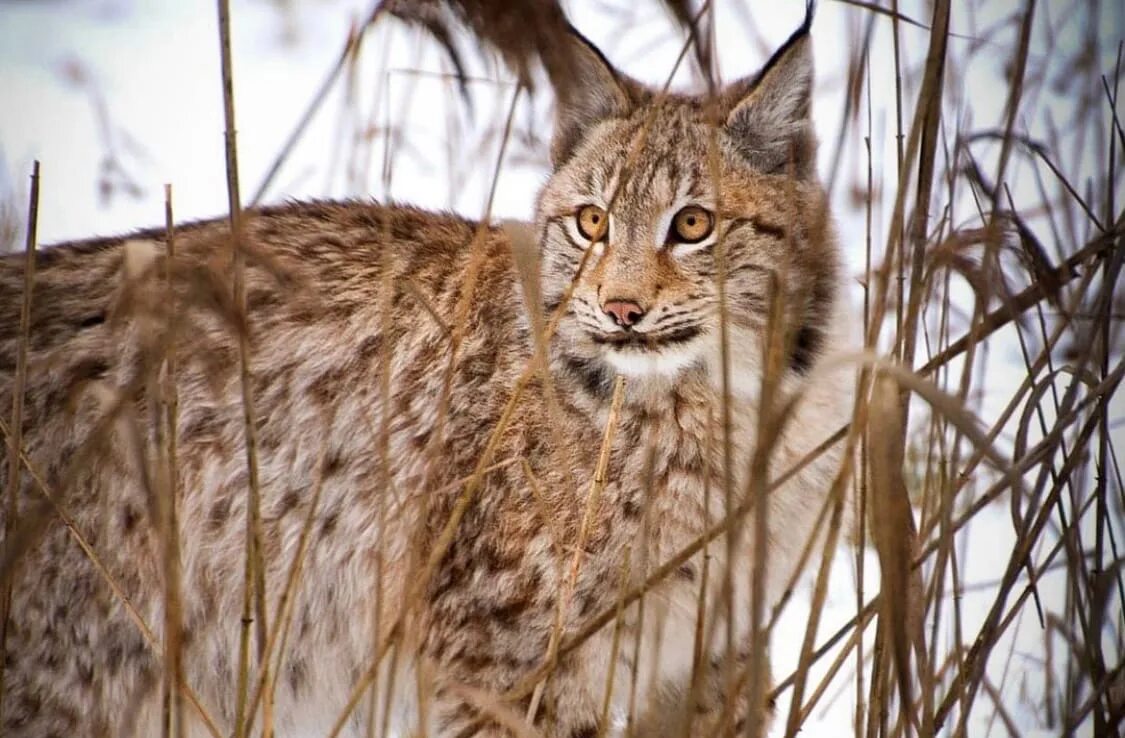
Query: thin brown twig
[[15, 439], [254, 593]]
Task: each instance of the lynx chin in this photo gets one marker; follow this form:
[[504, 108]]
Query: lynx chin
[[451, 510]]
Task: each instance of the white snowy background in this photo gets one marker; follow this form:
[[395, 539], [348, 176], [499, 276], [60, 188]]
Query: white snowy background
[[117, 97]]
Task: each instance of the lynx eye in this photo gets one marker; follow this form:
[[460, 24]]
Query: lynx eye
[[691, 225], [592, 222]]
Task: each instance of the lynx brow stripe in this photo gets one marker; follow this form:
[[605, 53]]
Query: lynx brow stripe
[[760, 226]]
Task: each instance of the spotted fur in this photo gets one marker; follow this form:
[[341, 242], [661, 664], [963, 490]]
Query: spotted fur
[[338, 295]]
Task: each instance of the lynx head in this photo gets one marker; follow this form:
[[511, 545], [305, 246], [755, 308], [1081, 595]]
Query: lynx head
[[661, 191]]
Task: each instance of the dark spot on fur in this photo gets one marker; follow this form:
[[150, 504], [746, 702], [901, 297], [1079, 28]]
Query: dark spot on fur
[[220, 511], [85, 672], [592, 377], [508, 614], [261, 300], [403, 230], [92, 321], [809, 341], [806, 346], [306, 623], [333, 463], [476, 661], [768, 229], [369, 347], [328, 524], [586, 603], [585, 731], [631, 509], [324, 387], [30, 703], [686, 572], [114, 657], [296, 674], [129, 517], [289, 502], [205, 423], [89, 369], [304, 312], [479, 367], [494, 559], [421, 439]]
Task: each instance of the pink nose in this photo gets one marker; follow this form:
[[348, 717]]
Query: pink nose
[[625, 313]]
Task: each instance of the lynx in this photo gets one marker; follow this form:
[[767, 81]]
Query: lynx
[[468, 480]]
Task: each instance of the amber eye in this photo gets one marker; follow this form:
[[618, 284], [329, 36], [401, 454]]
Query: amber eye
[[691, 225], [592, 222]]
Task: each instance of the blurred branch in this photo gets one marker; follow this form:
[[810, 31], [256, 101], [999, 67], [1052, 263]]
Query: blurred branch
[[351, 47]]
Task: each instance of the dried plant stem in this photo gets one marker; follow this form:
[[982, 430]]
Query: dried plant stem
[[972, 671], [350, 51], [892, 527], [15, 437], [615, 647], [386, 355], [460, 323], [593, 497], [768, 433], [283, 616], [698, 657], [857, 628], [928, 116], [254, 593], [168, 491], [820, 588], [859, 620], [670, 565], [1040, 290]]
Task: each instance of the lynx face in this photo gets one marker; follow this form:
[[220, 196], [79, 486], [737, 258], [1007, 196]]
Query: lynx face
[[661, 191]]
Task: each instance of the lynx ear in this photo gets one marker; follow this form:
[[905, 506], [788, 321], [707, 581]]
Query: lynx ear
[[588, 90], [771, 119]]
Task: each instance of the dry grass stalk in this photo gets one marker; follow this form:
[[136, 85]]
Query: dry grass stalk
[[445, 538], [15, 437], [892, 528], [348, 53], [167, 492], [593, 497], [254, 598], [266, 683]]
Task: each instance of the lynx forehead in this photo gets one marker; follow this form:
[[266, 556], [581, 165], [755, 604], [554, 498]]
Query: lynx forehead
[[438, 518]]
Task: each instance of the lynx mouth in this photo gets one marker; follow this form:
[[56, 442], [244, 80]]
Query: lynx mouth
[[648, 342]]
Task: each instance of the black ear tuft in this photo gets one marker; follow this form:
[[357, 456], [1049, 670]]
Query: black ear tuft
[[771, 122], [588, 90]]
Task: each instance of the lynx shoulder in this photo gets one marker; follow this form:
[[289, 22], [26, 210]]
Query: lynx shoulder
[[461, 451]]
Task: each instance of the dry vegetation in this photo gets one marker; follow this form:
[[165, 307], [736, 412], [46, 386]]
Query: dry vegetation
[[979, 242]]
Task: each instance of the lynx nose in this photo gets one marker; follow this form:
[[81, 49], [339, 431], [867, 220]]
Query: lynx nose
[[625, 313]]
